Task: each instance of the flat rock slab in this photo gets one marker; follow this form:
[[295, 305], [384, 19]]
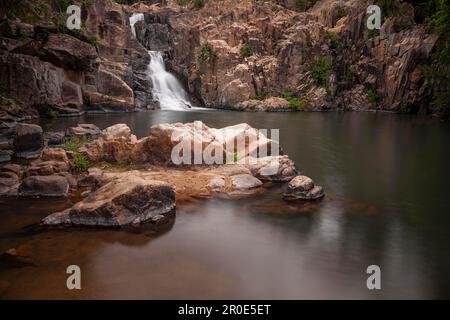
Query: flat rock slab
[[119, 203]]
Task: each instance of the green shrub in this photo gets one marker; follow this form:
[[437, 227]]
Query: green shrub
[[183, 2], [81, 163], [372, 96], [295, 103], [74, 143], [246, 51], [52, 113], [350, 73], [335, 40], [206, 53], [321, 70], [371, 33], [261, 95]]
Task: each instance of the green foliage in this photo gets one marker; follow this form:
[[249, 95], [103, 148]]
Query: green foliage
[[246, 51], [321, 70], [340, 14], [295, 103], [74, 143], [437, 71], [261, 95], [81, 163], [335, 40], [372, 96], [372, 33], [206, 53], [94, 41], [183, 2], [52, 113], [350, 73]]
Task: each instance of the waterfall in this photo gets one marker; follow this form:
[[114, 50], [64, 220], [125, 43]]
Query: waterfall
[[167, 90], [135, 17]]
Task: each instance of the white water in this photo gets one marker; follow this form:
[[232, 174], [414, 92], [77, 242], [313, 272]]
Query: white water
[[135, 17], [167, 90]]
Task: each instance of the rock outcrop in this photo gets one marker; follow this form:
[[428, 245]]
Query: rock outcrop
[[303, 188], [120, 203]]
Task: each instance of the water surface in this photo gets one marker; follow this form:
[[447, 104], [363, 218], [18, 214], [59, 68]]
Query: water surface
[[387, 183]]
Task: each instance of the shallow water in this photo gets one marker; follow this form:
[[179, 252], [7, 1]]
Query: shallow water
[[386, 178]]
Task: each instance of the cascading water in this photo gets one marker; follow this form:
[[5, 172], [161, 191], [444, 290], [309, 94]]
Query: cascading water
[[167, 90]]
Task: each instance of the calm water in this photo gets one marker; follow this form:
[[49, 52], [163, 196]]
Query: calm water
[[387, 183]]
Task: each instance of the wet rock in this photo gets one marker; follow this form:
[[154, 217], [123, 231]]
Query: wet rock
[[5, 155], [44, 186], [303, 188], [28, 141], [121, 202], [245, 181], [14, 258]]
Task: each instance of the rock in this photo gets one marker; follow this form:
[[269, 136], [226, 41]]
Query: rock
[[121, 202], [271, 104], [301, 183], [28, 141], [8, 182], [54, 154], [217, 183], [12, 167], [14, 259], [245, 181], [54, 139], [84, 130], [68, 52], [116, 131], [5, 155], [44, 186], [303, 188], [272, 168]]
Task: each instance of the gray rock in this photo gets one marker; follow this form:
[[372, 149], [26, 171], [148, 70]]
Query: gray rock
[[28, 141], [303, 188], [44, 186]]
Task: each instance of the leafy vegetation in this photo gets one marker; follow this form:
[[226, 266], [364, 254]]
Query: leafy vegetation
[[372, 96], [206, 53], [246, 51], [52, 113], [81, 163], [321, 70], [350, 73], [74, 143], [295, 103], [196, 3], [262, 95], [335, 40]]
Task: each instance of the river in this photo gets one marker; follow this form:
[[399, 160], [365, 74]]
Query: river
[[386, 179]]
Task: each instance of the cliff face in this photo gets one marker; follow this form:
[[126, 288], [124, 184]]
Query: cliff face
[[242, 54], [233, 51]]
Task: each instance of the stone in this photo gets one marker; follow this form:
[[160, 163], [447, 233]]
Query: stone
[[28, 141], [44, 186], [217, 183], [119, 203], [245, 181], [54, 139], [303, 188], [13, 167], [8, 182], [84, 130], [116, 131]]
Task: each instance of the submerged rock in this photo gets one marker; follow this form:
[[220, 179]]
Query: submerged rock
[[303, 188], [127, 201]]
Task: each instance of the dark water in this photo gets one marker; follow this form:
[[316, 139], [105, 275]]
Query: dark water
[[387, 179]]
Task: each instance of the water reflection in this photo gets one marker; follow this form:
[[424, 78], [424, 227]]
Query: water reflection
[[386, 178]]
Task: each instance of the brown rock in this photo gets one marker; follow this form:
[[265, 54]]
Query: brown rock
[[44, 186]]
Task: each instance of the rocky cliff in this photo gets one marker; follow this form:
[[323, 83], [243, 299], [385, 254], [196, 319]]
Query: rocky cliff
[[238, 54]]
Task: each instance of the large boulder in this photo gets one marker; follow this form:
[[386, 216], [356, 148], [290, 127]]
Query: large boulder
[[44, 186], [126, 201], [68, 52], [28, 140], [8, 182]]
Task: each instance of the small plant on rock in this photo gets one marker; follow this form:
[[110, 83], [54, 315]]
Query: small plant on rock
[[206, 53], [81, 163]]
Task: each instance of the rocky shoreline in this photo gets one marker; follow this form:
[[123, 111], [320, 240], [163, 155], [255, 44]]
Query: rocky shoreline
[[128, 182]]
